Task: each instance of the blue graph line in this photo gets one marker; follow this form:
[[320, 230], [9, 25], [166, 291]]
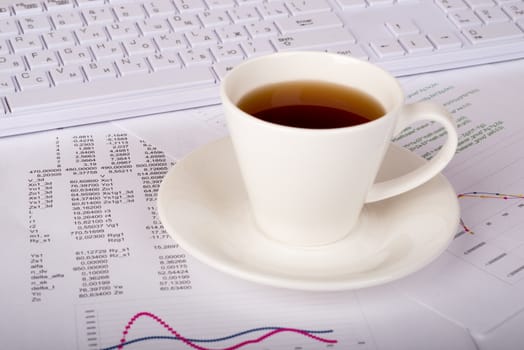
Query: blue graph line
[[167, 337]]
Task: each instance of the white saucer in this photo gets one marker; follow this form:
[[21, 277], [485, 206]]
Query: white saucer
[[203, 205]]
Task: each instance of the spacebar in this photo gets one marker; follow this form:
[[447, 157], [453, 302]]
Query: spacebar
[[105, 90]]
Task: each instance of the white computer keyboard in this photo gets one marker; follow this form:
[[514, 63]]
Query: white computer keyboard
[[72, 62]]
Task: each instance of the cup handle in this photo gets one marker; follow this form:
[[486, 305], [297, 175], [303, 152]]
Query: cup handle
[[408, 115]]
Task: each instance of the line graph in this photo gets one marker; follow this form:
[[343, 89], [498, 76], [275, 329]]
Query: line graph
[[494, 242], [485, 195], [192, 342], [236, 316]]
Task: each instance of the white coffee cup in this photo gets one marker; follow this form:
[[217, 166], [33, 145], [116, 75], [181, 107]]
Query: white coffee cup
[[307, 187]]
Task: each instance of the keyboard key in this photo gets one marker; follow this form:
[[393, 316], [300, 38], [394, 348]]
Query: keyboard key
[[5, 11], [227, 52], [99, 70], [139, 46], [27, 42], [514, 10], [380, 2], [132, 65], [32, 80], [7, 85], [193, 6], [305, 6], [201, 37], [246, 2], [130, 11], [119, 31], [493, 32], [313, 39], [444, 40], [159, 8], [308, 22], [4, 48], [416, 43], [89, 3], [74, 54], [196, 56], [402, 27], [353, 50], [66, 75], [170, 41], [91, 34], [387, 48], [41, 59], [236, 32], [214, 18], [465, 18], [451, 5], [10, 63], [153, 26], [351, 4], [479, 3], [68, 19], [27, 7], [492, 15], [164, 61], [58, 5], [260, 29], [184, 22], [98, 15], [220, 4], [244, 14], [257, 47], [223, 68], [270, 10], [106, 49], [58, 38], [107, 88], [31, 24], [8, 27]]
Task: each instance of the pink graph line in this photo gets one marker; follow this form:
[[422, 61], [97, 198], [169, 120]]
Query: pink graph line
[[195, 346]]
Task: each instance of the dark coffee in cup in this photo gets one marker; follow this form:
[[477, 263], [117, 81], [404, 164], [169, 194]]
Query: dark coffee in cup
[[311, 105]]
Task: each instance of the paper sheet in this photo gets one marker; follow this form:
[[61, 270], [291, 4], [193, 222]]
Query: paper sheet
[[478, 282], [86, 263]]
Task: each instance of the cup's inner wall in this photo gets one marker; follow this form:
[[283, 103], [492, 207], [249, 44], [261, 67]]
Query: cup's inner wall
[[331, 68]]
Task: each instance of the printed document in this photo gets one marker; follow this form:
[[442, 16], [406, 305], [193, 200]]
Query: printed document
[[86, 263]]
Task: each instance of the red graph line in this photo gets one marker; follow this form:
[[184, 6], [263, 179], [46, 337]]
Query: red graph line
[[465, 228], [195, 346]]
